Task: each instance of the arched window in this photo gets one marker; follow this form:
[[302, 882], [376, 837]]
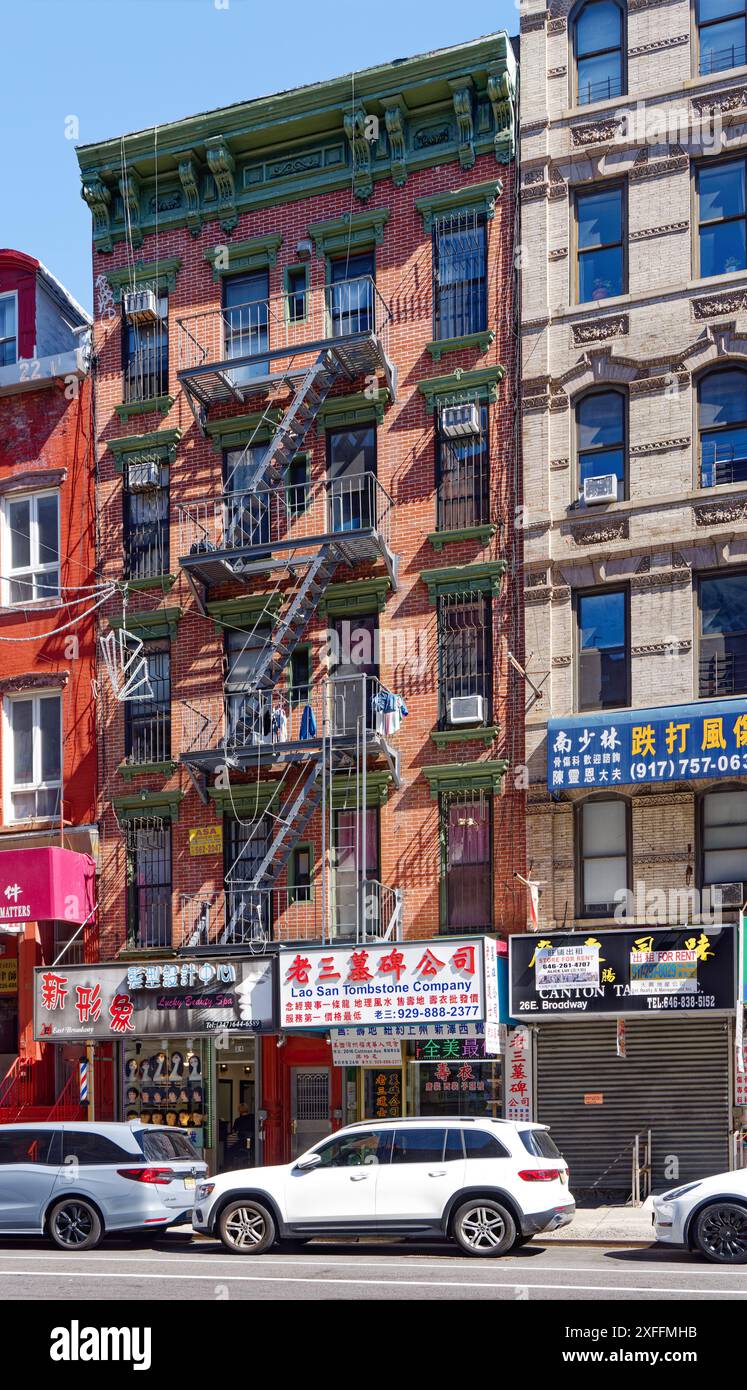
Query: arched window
[[722, 427], [598, 51], [604, 854], [724, 836], [600, 437], [722, 34]]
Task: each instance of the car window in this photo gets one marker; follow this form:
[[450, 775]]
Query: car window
[[454, 1146], [479, 1144], [161, 1144], [539, 1143], [87, 1147], [419, 1145], [28, 1146], [353, 1150]]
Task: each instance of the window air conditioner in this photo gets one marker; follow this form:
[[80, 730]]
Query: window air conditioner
[[602, 489], [458, 421], [732, 894], [140, 306], [466, 709], [144, 475]]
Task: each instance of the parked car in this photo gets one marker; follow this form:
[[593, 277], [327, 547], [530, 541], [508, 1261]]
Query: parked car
[[487, 1184], [76, 1183], [709, 1216]]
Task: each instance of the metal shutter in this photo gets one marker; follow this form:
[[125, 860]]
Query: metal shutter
[[674, 1081]]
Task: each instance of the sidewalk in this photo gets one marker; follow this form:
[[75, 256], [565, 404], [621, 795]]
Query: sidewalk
[[607, 1225]]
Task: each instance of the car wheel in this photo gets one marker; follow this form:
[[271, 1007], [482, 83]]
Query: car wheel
[[75, 1225], [246, 1228], [483, 1227], [721, 1233]]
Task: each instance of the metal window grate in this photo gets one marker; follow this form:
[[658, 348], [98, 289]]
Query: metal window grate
[[148, 841], [312, 1095], [146, 530], [148, 721], [460, 273], [464, 646], [463, 478]]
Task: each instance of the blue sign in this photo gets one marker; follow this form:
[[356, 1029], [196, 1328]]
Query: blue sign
[[669, 743]]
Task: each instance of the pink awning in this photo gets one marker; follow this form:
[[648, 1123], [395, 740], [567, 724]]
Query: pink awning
[[46, 885]]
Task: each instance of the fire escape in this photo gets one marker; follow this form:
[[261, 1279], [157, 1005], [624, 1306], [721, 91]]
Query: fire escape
[[307, 532]]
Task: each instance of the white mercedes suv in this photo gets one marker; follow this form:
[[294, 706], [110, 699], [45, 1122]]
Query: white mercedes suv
[[487, 1184]]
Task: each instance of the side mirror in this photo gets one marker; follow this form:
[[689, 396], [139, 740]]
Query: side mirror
[[308, 1162]]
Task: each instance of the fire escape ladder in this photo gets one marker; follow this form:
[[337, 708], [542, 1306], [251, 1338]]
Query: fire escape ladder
[[290, 826]]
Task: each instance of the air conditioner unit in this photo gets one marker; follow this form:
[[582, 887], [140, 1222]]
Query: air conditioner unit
[[602, 489], [140, 306], [732, 894], [466, 709], [143, 475], [458, 421]]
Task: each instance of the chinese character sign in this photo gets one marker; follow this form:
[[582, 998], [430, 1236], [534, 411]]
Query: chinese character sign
[[674, 743], [519, 1079]]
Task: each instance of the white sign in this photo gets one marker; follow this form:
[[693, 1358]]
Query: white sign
[[408, 1031], [492, 1006], [560, 966], [387, 982], [372, 1051], [519, 1080], [663, 972]]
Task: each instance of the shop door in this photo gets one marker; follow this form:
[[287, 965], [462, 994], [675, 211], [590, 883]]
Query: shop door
[[311, 1111]]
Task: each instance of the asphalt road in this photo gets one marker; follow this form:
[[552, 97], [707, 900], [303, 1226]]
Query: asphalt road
[[177, 1268]]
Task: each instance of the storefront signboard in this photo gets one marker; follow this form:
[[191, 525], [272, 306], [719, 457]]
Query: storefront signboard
[[46, 885], [667, 971], [519, 1089], [408, 1031], [375, 1051], [8, 975], [156, 999]]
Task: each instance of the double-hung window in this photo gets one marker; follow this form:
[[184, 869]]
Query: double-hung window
[[149, 887], [724, 836], [722, 217], [146, 519], [8, 329], [460, 275], [351, 294], [463, 477], [33, 760], [146, 356], [600, 435], [467, 871], [464, 659], [249, 909], [32, 547], [148, 721], [603, 647], [600, 243], [603, 827], [722, 427], [598, 42], [722, 34], [723, 636], [351, 470]]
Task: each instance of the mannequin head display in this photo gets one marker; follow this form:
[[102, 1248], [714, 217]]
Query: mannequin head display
[[146, 1096], [184, 1119], [198, 1119], [159, 1065], [145, 1117], [171, 1118], [195, 1067], [132, 1069], [158, 1096], [196, 1096], [183, 1097], [172, 1095], [132, 1115], [156, 1118], [132, 1095], [176, 1066], [145, 1069]]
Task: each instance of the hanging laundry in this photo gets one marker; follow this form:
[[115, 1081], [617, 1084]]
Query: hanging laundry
[[279, 725], [308, 724], [388, 710]]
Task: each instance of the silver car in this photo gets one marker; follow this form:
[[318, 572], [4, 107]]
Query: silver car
[[76, 1182]]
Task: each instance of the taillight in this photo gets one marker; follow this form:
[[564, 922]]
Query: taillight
[[539, 1174], [160, 1176]]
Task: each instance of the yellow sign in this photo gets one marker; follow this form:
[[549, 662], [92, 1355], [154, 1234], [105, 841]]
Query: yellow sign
[[594, 1098], [206, 839], [8, 976]]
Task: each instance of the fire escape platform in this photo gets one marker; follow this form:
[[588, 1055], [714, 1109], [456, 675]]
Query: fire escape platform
[[246, 757], [215, 567], [219, 382]]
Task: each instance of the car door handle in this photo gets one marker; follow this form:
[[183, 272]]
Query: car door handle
[[437, 1173], [358, 1177]]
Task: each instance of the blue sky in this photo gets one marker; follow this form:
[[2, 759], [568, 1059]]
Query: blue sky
[[120, 65]]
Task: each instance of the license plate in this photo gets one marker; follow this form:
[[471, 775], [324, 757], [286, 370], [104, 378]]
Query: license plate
[[189, 1182]]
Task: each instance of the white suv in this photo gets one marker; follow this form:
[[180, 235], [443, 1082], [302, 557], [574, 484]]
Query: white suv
[[487, 1184]]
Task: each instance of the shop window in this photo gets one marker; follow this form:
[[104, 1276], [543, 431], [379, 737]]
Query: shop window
[[604, 855], [463, 477], [459, 275], [464, 659], [31, 548], [599, 51], [600, 438], [146, 522], [724, 837], [149, 887], [468, 878], [169, 1088], [148, 721], [33, 725], [722, 427], [146, 355], [452, 1076], [722, 662], [600, 244], [722, 35], [722, 220], [351, 473], [350, 294], [8, 329], [603, 650]]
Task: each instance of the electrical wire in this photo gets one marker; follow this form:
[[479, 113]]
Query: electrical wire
[[80, 618]]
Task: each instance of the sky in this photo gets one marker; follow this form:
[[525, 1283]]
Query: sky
[[78, 71]]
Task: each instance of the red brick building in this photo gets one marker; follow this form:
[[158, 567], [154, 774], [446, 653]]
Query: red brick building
[[47, 636], [305, 404]]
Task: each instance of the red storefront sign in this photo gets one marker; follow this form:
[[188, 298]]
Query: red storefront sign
[[45, 885]]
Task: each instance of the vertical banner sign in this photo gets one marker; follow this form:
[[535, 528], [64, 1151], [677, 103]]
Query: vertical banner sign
[[492, 1007], [519, 1083], [621, 1052]]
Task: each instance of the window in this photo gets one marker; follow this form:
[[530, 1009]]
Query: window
[[296, 284], [350, 292], [479, 1144], [300, 676], [149, 885], [462, 478], [246, 322], [419, 1145], [246, 522], [146, 355], [356, 1150], [298, 485], [600, 437], [248, 909], [35, 764], [598, 44], [722, 427], [724, 836], [299, 875], [723, 636], [248, 713], [460, 275], [722, 234], [29, 1146], [604, 854], [600, 244], [146, 523], [32, 547], [90, 1149], [467, 868], [355, 836], [464, 655], [604, 667], [540, 1143], [148, 721], [8, 330], [721, 34], [351, 470], [166, 1146]]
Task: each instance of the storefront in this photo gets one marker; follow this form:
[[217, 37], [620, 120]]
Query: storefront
[[633, 1032]]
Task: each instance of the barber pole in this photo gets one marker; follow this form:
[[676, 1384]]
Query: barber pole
[[83, 1080]]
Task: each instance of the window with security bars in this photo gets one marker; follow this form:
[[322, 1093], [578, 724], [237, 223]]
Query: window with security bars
[[146, 356], [466, 829], [460, 275], [146, 526], [463, 477], [148, 721], [149, 884], [248, 908], [464, 655]]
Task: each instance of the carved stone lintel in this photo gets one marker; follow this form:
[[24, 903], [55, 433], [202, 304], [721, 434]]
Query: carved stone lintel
[[538, 595], [660, 446], [675, 41], [35, 680], [720, 513], [657, 168], [98, 197], [221, 164], [356, 131], [713, 305], [596, 133], [599, 330], [188, 180], [661, 579], [733, 99], [600, 532], [674, 647], [644, 233], [561, 593], [649, 385]]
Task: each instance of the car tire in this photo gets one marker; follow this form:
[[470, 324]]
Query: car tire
[[721, 1233], [74, 1224], [484, 1227], [521, 1240], [246, 1227]]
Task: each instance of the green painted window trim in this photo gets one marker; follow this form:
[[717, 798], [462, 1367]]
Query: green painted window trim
[[162, 272], [163, 803], [255, 254], [480, 340], [244, 796], [299, 647], [158, 405], [480, 384], [357, 409], [130, 770], [478, 197], [164, 582], [239, 429], [297, 265], [243, 610], [303, 455], [291, 884], [357, 231], [478, 734], [461, 579], [158, 625], [355, 596], [156, 444], [439, 539], [377, 790], [484, 775]]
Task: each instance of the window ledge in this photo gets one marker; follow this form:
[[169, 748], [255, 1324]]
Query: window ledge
[[159, 404], [165, 582], [439, 539], [481, 734], [129, 770], [481, 341]]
